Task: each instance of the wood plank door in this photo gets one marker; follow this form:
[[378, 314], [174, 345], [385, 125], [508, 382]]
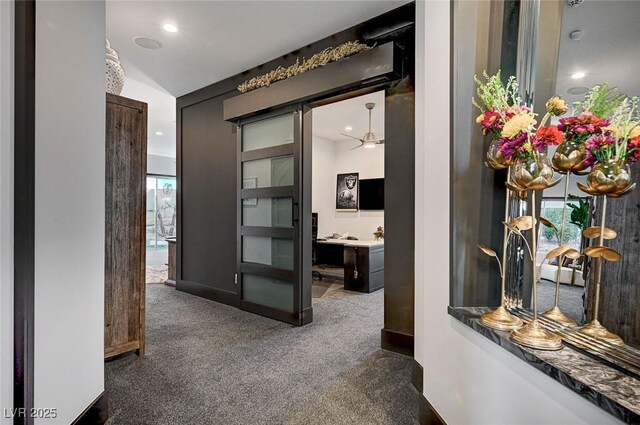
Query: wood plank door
[[125, 225]]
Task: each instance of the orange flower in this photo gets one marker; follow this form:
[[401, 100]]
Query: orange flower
[[549, 135]]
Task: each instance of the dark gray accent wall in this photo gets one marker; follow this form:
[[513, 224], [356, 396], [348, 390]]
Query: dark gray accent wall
[[206, 256], [207, 211], [399, 217]]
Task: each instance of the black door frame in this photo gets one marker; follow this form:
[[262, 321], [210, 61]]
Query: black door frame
[[24, 209]]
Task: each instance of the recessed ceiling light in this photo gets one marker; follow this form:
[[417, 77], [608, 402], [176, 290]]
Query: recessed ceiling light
[[170, 28], [147, 43], [348, 128], [577, 75], [578, 90], [159, 133]]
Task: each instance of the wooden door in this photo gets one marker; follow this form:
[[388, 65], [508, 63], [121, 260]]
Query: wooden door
[[125, 201]]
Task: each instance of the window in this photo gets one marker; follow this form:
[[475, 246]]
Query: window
[[551, 209], [161, 211]]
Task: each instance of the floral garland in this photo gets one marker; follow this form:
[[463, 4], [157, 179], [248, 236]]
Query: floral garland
[[331, 54]]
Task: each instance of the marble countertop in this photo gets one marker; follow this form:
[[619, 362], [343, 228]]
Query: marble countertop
[[606, 387]]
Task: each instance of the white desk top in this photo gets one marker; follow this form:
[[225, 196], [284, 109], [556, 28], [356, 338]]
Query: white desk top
[[347, 242]]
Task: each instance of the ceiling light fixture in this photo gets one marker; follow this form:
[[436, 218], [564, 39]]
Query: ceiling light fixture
[[348, 128], [170, 28], [147, 43], [577, 75], [159, 133], [578, 90]]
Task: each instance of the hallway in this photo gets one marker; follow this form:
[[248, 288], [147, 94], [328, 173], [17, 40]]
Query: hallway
[[209, 363]]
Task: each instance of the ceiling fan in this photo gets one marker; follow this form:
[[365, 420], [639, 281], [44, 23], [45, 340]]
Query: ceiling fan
[[369, 140]]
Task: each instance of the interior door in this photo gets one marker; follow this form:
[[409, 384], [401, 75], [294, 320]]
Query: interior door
[[273, 273]]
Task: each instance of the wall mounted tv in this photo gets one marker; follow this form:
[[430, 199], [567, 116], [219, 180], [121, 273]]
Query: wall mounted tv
[[372, 194]]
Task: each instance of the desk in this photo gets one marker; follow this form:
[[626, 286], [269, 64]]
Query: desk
[[363, 262], [171, 280]]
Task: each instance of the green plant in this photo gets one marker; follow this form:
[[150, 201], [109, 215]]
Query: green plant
[[496, 95], [601, 101], [580, 212]]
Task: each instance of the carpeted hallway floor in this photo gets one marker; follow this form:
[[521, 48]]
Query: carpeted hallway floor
[[208, 363]]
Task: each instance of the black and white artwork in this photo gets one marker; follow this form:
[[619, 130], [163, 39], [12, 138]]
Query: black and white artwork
[[347, 192]]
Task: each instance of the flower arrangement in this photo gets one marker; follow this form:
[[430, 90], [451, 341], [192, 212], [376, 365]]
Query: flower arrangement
[[379, 233], [513, 124], [619, 141]]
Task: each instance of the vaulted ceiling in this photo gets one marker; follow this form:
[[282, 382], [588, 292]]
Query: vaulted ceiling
[[218, 39]]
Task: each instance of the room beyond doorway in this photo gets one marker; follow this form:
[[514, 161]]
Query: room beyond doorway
[[348, 194], [160, 225]]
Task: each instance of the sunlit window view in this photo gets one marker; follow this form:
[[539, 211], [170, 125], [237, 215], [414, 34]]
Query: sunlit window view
[[161, 211], [577, 217]]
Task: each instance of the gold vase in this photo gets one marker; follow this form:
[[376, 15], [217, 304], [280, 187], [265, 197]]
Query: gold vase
[[533, 172], [569, 157], [495, 160], [610, 178]]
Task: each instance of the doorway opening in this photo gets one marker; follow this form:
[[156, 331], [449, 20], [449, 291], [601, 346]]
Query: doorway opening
[[348, 199], [160, 225]]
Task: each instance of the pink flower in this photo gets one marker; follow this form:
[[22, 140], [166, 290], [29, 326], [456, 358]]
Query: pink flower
[[491, 122]]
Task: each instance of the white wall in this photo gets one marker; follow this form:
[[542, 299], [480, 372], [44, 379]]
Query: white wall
[[6, 207], [330, 159], [467, 378], [69, 211], [161, 165], [161, 115]]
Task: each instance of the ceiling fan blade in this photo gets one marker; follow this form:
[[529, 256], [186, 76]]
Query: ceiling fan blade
[[359, 146], [380, 142], [357, 138]]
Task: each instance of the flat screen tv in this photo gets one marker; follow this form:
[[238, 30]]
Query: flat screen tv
[[372, 194]]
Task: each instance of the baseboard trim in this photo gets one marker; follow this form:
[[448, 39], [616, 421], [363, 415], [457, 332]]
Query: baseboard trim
[[97, 413], [427, 414], [417, 375], [306, 316], [208, 292], [397, 341]]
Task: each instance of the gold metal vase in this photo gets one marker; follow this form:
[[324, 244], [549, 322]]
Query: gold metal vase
[[533, 334], [569, 157], [533, 172], [611, 178], [501, 319], [555, 313], [494, 158], [600, 253]]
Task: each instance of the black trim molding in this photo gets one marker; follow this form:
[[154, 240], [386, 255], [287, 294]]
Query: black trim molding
[[397, 341], [427, 415], [24, 206], [417, 374], [96, 414]]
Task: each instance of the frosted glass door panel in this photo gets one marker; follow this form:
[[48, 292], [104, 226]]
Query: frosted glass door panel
[[266, 133], [267, 212], [269, 172], [268, 291], [274, 252]]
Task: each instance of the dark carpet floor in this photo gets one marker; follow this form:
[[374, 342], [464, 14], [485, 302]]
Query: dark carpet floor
[[569, 301], [207, 363]]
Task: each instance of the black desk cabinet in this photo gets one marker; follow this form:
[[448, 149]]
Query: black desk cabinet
[[364, 268]]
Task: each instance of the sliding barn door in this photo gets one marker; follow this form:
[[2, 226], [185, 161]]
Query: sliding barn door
[[273, 240]]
